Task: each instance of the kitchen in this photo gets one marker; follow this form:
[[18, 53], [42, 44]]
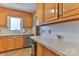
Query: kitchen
[[39, 29]]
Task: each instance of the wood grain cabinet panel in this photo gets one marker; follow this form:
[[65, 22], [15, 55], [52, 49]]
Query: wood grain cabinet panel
[[27, 21], [48, 52], [50, 12], [10, 43], [19, 42], [43, 51], [3, 20], [57, 12], [14, 13], [40, 12], [39, 50], [4, 12], [2, 45], [68, 9]]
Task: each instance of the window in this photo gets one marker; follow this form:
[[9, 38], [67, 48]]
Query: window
[[15, 23]]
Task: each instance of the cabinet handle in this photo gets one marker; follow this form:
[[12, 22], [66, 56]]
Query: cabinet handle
[[61, 10]]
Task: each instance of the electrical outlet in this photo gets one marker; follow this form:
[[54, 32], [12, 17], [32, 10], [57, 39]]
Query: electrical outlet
[[43, 31], [60, 36], [46, 31], [0, 30], [49, 31]]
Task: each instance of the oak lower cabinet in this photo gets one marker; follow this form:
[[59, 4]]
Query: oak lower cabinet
[[50, 12], [48, 52], [43, 51], [10, 42], [19, 42], [39, 50], [68, 9], [2, 45]]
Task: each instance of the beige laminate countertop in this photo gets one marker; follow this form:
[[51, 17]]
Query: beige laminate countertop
[[14, 34], [61, 47]]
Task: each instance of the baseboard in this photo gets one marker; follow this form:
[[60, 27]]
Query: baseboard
[[15, 49]]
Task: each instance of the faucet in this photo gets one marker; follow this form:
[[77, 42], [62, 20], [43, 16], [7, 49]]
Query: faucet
[[59, 36]]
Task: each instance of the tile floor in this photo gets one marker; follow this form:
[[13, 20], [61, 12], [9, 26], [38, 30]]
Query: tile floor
[[20, 52]]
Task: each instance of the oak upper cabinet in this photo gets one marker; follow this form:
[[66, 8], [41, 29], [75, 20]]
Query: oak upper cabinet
[[50, 12], [19, 41], [68, 9], [27, 21], [4, 12], [3, 19], [39, 12]]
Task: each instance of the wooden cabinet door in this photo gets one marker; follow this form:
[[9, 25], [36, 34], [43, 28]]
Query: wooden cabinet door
[[40, 12], [39, 50], [27, 21], [48, 52], [43, 51], [19, 42], [68, 9], [10, 43], [2, 45], [3, 19], [50, 12]]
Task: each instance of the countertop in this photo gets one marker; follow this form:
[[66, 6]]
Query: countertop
[[61, 47], [16, 34]]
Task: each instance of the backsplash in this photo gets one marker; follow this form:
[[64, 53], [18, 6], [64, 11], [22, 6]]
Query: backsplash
[[69, 31], [6, 31]]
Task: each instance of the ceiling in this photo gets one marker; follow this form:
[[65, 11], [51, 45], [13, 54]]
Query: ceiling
[[28, 7]]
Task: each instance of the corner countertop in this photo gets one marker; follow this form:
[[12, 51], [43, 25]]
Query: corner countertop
[[61, 47]]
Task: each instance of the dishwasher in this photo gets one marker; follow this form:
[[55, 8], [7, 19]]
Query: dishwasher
[[29, 42]]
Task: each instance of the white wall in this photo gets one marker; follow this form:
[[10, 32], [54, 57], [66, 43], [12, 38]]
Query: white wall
[[69, 30]]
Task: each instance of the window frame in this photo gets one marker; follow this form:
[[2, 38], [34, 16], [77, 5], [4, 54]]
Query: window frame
[[9, 22]]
